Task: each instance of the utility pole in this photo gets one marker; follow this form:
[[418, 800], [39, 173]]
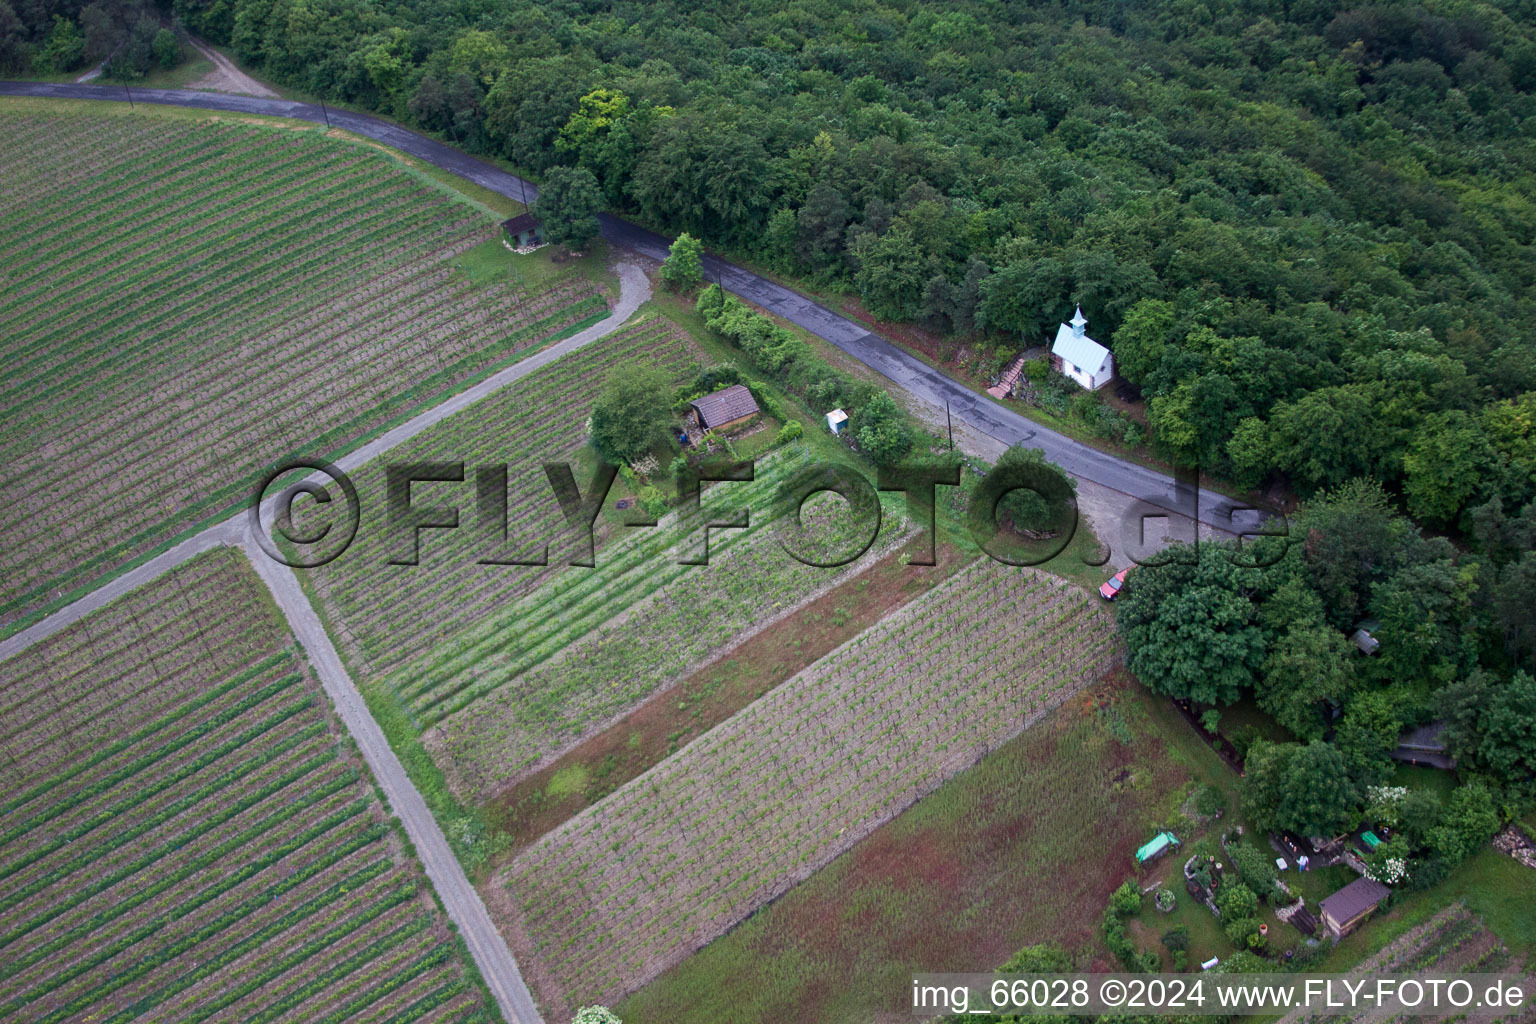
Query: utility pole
[[130, 95], [950, 425], [523, 187], [325, 114]]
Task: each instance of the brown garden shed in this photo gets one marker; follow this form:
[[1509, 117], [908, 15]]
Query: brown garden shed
[[725, 409]]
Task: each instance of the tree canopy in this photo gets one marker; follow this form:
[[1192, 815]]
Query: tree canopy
[[568, 204], [632, 412]]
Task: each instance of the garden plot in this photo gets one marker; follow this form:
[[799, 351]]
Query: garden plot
[[189, 302], [186, 833], [677, 856]]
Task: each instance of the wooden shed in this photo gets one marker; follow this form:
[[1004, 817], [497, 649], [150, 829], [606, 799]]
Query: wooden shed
[[524, 230], [725, 409], [1346, 909]]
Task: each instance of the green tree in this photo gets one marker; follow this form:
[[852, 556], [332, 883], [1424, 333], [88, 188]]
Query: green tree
[[1446, 465], [1488, 729], [1307, 666], [1029, 509], [683, 268], [893, 270], [632, 413], [882, 430], [166, 48], [1143, 339], [1470, 820], [597, 114], [568, 204], [1304, 788], [1190, 626]]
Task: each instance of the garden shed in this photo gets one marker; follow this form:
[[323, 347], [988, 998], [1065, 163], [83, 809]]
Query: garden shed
[[1346, 909], [837, 419], [725, 409], [1156, 847], [524, 230]]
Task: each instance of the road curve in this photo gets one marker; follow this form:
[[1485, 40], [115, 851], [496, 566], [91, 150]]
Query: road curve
[[1158, 491]]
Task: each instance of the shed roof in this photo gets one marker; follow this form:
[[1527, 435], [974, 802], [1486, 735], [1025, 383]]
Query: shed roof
[[1077, 348], [725, 405], [1363, 640], [522, 222], [1354, 899]]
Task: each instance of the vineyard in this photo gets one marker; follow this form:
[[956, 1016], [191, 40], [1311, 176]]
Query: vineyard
[[1452, 943], [677, 856], [501, 666], [185, 833], [385, 615], [591, 644], [194, 300]]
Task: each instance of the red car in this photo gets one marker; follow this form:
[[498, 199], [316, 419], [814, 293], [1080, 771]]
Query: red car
[[1112, 585]]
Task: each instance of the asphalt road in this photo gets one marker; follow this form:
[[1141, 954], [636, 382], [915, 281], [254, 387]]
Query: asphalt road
[[1155, 492]]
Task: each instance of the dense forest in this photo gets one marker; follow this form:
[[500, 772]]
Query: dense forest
[[1305, 231], [1457, 633]]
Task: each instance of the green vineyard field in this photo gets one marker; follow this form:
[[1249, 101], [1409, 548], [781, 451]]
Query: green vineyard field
[[672, 859], [197, 300], [187, 834]]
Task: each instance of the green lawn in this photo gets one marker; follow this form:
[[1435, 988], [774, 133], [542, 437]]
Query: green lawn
[[1414, 776]]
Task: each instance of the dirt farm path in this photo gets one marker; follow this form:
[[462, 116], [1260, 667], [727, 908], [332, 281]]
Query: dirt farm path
[[459, 897], [225, 77]]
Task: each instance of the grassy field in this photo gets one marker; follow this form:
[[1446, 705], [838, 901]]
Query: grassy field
[[1023, 848], [188, 831], [675, 857], [194, 299]]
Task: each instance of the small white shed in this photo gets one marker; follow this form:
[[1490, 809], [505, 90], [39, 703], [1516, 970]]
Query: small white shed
[[836, 421], [1079, 357]]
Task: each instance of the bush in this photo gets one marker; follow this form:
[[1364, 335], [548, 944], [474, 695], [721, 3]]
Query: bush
[[1241, 930], [1210, 801], [1118, 942], [1037, 370], [652, 501], [595, 1015], [1256, 870], [166, 48], [1236, 901], [1126, 899], [1176, 939], [790, 431], [1210, 721]]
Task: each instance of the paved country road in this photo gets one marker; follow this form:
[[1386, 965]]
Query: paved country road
[[1154, 491]]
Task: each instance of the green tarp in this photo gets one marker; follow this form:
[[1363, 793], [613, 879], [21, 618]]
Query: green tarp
[[1160, 842]]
